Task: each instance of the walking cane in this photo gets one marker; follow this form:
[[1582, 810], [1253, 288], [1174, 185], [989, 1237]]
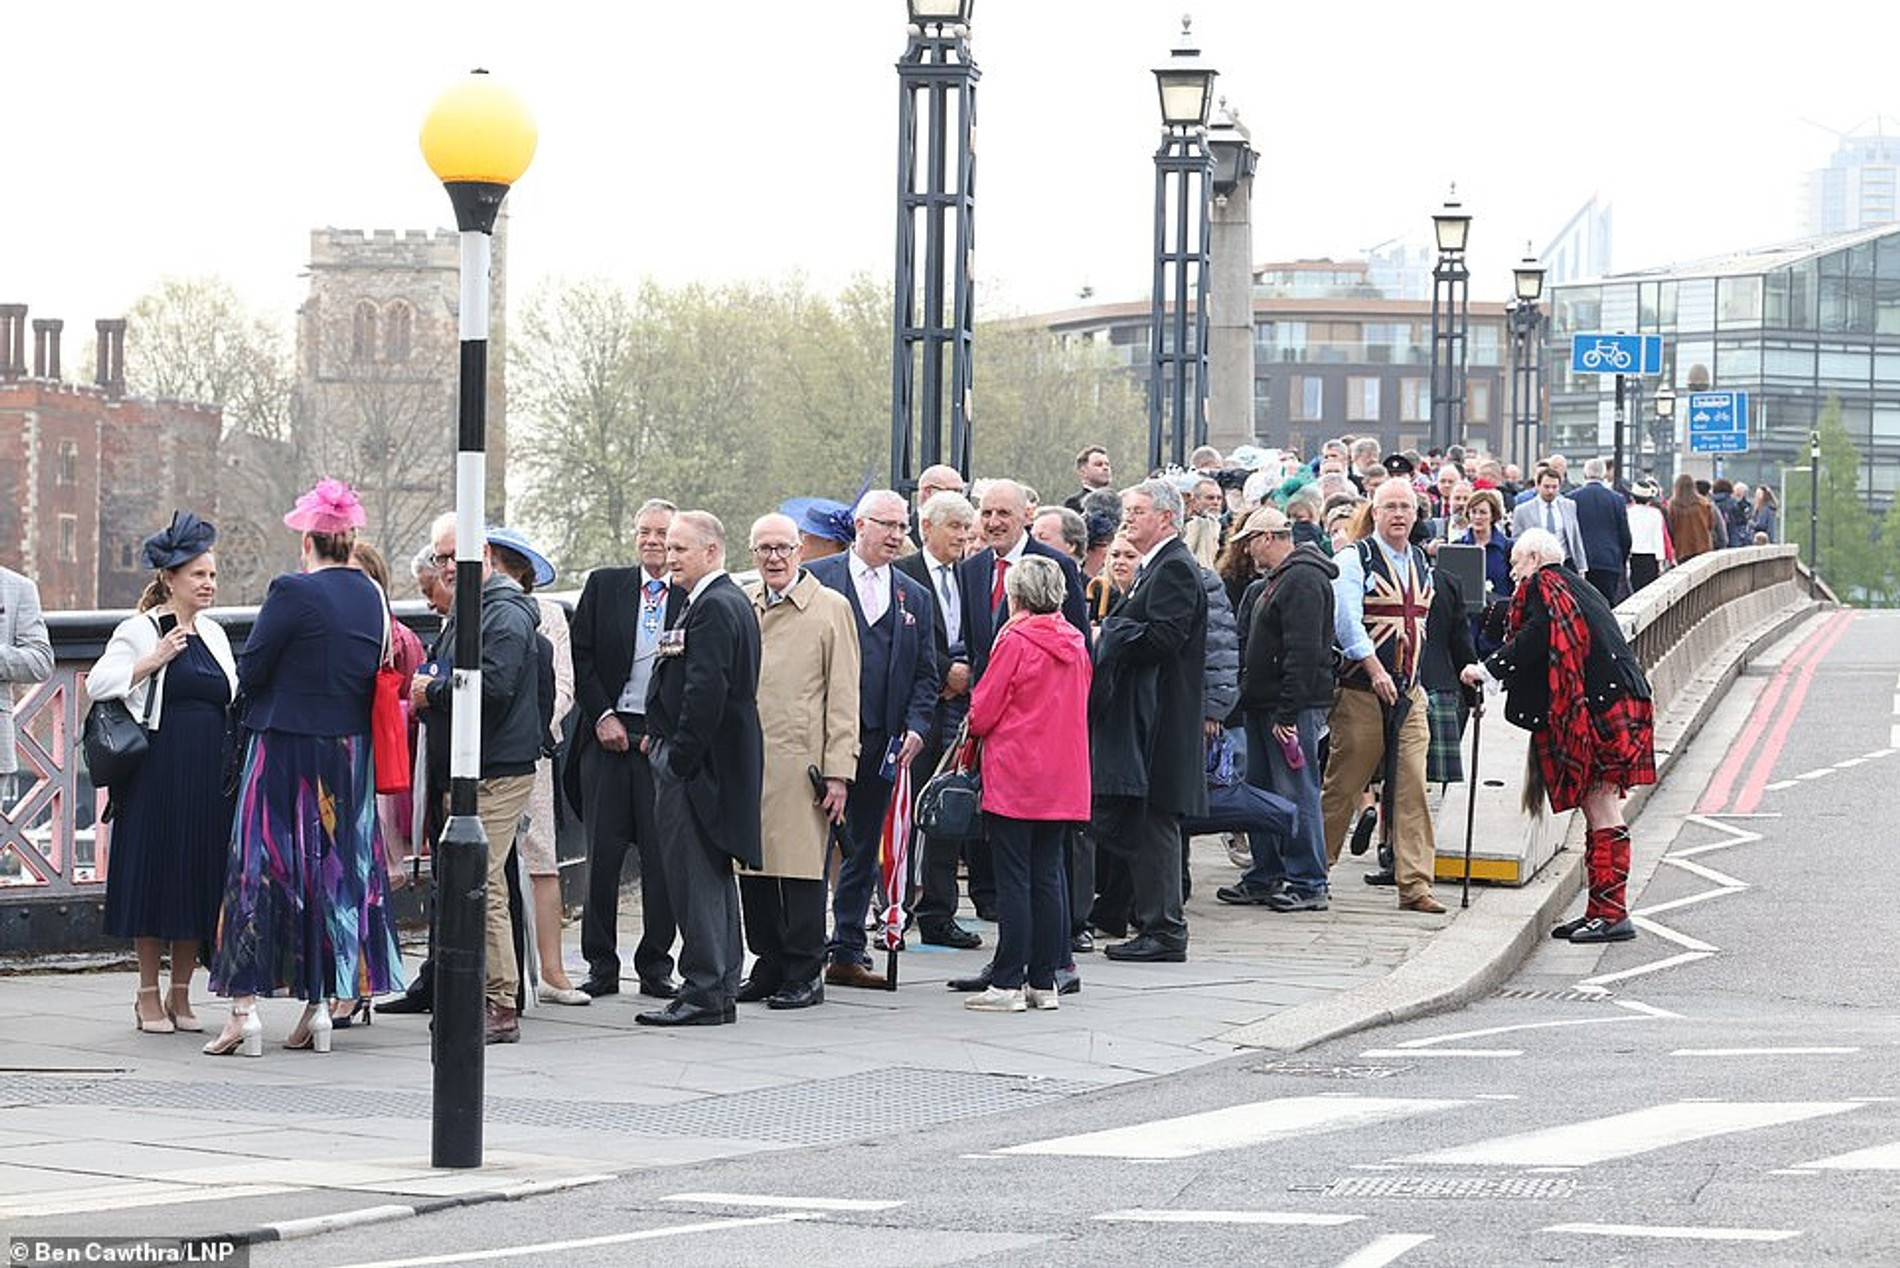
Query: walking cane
[[1471, 803]]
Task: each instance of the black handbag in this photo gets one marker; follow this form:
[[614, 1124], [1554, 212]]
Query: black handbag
[[950, 808], [113, 742]]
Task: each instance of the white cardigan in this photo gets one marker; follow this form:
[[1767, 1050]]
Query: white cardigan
[[136, 638]]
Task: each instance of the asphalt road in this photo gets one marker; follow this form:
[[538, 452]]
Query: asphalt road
[[1723, 1090]]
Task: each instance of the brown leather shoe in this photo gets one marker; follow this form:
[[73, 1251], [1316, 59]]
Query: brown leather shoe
[[854, 975], [1425, 903], [502, 1024]]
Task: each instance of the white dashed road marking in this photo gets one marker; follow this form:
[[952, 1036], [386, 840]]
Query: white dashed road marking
[[1679, 1234], [1625, 1135]]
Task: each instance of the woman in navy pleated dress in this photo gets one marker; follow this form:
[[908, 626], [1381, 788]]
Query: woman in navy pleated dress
[[165, 869], [306, 896]]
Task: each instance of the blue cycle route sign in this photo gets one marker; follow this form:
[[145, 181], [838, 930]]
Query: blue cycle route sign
[[1718, 422], [1596, 352]]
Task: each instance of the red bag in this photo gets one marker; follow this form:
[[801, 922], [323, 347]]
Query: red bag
[[389, 732]]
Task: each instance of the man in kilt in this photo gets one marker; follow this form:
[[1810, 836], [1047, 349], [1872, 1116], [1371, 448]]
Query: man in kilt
[[1573, 682]]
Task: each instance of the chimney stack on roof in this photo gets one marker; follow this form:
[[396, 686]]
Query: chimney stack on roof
[[12, 340], [46, 347], [111, 368]]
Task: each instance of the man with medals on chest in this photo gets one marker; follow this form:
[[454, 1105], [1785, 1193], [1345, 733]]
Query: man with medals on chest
[[1381, 597]]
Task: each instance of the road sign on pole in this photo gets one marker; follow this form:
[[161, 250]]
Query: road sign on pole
[[1718, 422], [1595, 353]]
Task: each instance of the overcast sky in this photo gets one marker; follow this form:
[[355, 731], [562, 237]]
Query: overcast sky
[[749, 140]]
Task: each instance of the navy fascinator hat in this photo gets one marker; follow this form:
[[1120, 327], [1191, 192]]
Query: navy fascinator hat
[[187, 538]]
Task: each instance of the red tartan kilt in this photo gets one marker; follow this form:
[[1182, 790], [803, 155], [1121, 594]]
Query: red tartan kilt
[[1621, 753]]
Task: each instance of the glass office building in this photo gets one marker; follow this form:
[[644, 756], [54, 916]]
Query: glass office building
[[1793, 326]]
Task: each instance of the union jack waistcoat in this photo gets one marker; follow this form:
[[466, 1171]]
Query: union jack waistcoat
[[1395, 611]]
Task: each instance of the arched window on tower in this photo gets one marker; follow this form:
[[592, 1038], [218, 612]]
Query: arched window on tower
[[363, 332], [398, 327]]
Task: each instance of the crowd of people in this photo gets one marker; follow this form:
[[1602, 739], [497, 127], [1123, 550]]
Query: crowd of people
[[1262, 645]]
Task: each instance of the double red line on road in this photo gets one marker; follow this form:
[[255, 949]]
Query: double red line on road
[[1774, 715]]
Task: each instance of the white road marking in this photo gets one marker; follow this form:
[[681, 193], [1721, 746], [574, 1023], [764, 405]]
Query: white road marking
[[1761, 1052], [1878, 1158], [582, 1243], [1389, 1053], [1137, 1215], [1383, 1250], [1411, 1045], [1648, 1010], [1679, 1234], [1667, 934], [1893, 737], [1649, 909], [1778, 785], [1625, 1135], [782, 1200], [1850, 763], [1706, 873], [1820, 773], [1687, 957], [1235, 1127]]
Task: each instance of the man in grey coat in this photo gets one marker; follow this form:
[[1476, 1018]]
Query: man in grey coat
[[26, 656]]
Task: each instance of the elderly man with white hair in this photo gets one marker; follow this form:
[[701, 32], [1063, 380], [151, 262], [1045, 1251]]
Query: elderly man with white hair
[[1572, 681], [897, 694]]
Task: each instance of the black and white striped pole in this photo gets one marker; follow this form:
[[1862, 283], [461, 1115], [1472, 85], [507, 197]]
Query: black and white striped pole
[[478, 139]]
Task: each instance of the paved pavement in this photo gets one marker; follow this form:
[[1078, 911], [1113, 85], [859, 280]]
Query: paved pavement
[[105, 1130]]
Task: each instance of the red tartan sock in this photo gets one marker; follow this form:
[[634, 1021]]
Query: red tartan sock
[[1599, 865], [1616, 895]]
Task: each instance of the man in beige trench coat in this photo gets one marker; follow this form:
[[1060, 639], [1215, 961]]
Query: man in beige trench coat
[[808, 711]]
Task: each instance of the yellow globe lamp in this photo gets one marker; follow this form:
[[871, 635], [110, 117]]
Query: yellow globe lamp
[[478, 138]]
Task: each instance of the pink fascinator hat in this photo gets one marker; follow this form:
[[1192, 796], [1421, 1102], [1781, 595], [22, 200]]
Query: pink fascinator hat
[[331, 507]]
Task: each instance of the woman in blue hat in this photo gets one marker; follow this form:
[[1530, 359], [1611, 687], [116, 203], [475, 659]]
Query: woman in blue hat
[[172, 666]]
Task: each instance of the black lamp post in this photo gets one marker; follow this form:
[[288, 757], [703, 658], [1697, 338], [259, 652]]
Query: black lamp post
[[1663, 436], [1451, 317], [1177, 361], [478, 138], [1526, 320], [935, 304]]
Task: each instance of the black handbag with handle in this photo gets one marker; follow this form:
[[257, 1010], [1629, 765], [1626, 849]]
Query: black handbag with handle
[[950, 808], [114, 742]]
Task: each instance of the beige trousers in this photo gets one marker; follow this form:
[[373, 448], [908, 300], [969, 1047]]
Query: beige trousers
[[1357, 754]]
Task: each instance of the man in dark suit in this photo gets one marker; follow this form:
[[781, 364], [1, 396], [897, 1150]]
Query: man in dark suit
[[616, 629], [1148, 682], [1003, 522], [947, 522], [1603, 522], [897, 697], [703, 738]]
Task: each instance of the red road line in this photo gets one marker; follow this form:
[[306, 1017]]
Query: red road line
[[1716, 795], [1750, 796]]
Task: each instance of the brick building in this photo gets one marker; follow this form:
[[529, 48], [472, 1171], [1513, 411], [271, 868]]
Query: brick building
[[86, 472], [378, 360]]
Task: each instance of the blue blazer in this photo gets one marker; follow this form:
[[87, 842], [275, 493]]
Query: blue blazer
[[1603, 521], [310, 663], [909, 675], [983, 621]]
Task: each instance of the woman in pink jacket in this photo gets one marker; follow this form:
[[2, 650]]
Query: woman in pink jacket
[[1030, 709]]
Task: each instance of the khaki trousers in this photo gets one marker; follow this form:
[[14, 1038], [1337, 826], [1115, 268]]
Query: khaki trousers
[[1357, 754], [499, 804]]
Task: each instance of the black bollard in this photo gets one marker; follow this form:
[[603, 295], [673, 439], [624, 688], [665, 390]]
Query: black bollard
[[461, 985]]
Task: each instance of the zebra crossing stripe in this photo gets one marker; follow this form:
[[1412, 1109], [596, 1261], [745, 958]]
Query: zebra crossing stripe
[[1625, 1135], [1235, 1127], [1878, 1158]]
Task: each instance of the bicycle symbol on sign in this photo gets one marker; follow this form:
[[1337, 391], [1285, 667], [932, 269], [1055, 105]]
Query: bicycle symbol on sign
[[1608, 351]]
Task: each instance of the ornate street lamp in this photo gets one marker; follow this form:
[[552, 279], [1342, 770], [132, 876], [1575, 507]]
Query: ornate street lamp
[[1526, 323], [478, 139], [1177, 366], [935, 299], [1662, 437], [1451, 318]]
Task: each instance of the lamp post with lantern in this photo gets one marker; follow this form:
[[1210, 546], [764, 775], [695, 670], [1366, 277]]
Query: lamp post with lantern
[[1527, 323], [1662, 436], [1451, 319], [478, 138], [1177, 359], [935, 304]]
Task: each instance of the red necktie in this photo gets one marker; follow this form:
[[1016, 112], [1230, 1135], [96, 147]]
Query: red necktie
[[996, 586]]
